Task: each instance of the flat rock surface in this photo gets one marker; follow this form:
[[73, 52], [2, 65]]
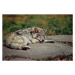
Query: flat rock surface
[[68, 38], [42, 50]]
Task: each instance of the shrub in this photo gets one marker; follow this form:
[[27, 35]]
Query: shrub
[[14, 29], [55, 24]]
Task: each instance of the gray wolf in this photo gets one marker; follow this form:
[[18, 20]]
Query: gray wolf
[[22, 38]]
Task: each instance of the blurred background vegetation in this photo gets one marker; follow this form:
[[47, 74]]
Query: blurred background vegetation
[[55, 24]]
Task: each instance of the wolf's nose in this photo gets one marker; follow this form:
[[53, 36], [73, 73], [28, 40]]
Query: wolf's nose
[[42, 40]]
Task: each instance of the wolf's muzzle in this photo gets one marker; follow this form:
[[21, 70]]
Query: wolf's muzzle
[[41, 41]]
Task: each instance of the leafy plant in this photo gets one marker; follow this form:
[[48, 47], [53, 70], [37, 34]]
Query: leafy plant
[[14, 29], [55, 24]]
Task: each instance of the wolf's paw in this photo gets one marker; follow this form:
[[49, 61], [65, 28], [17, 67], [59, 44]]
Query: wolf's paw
[[49, 41], [25, 47]]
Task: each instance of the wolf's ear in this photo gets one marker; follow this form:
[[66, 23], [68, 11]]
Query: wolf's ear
[[45, 30], [36, 30]]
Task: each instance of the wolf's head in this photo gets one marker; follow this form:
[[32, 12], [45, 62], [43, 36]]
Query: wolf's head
[[39, 34]]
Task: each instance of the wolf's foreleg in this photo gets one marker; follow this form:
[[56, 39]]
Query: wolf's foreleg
[[49, 41], [34, 41]]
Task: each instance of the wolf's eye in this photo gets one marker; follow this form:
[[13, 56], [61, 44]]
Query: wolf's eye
[[38, 35]]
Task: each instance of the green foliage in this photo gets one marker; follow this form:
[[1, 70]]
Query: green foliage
[[43, 27], [58, 31], [14, 29], [55, 24], [3, 38]]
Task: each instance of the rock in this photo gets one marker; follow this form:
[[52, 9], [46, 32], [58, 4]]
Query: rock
[[39, 51]]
